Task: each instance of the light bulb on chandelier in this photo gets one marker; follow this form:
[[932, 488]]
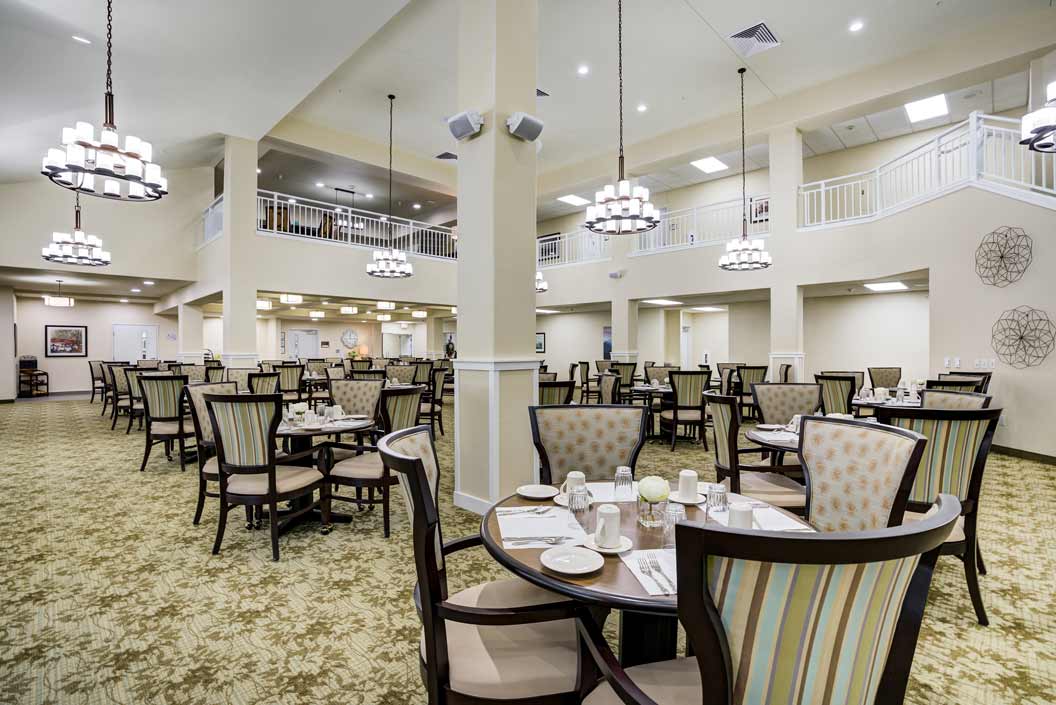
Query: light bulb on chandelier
[[76, 248], [541, 285]]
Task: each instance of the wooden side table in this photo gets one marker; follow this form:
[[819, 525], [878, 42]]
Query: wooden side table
[[33, 383]]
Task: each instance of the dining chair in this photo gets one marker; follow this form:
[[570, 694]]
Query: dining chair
[[95, 369], [214, 362], [124, 403], [333, 361], [953, 463], [238, 375], [505, 641], [269, 365], [369, 374], [858, 473], [774, 617], [432, 404], [361, 363], [747, 375], [174, 367], [423, 372], [837, 393], [983, 377], [148, 364], [291, 382], [594, 438], [335, 372], [555, 392], [602, 365], [108, 384], [547, 376], [193, 373], [859, 377], [316, 367], [727, 381], [542, 368], [585, 392], [784, 373], [402, 374], [732, 366], [204, 441], [163, 410], [214, 373], [626, 372], [688, 408], [888, 377], [364, 469], [264, 383], [572, 367], [778, 402], [763, 481], [943, 399], [972, 384], [609, 388], [244, 427]]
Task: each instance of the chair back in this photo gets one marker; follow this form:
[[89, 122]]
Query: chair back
[[240, 376], [726, 379], [244, 427], [584, 372], [663, 373], [547, 376], [784, 372], [335, 372], [885, 376], [726, 422], [213, 362], [942, 399], [859, 377], [161, 397], [357, 396], [195, 395], [687, 388], [133, 374], [542, 367], [175, 368], [269, 365], [403, 374], [148, 364], [983, 377], [423, 371], [748, 375], [723, 366], [369, 374], [361, 363], [602, 365], [399, 408], [837, 392], [572, 367], [194, 373], [609, 388], [263, 383], [317, 368], [436, 385], [806, 617], [290, 378], [778, 402], [333, 361], [214, 373], [595, 439], [950, 384], [554, 392], [858, 473], [96, 369], [626, 372], [958, 444]]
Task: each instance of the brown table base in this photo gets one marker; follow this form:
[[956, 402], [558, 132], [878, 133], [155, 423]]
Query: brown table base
[[647, 638]]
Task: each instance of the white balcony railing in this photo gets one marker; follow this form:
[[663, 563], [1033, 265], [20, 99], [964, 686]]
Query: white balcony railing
[[571, 248], [706, 225], [982, 147], [282, 214]]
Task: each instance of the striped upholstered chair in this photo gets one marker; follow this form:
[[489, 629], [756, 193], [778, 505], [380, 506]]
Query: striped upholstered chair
[[244, 427], [776, 618], [858, 473], [837, 392], [952, 384], [943, 399], [688, 408], [983, 378], [958, 445], [778, 402], [763, 481], [164, 413], [291, 383], [592, 438], [747, 375], [360, 363], [205, 443], [363, 469], [859, 377], [98, 380], [547, 376], [609, 388], [554, 392]]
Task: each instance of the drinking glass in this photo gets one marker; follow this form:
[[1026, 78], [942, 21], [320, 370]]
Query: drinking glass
[[623, 490], [675, 513], [718, 499], [579, 505]]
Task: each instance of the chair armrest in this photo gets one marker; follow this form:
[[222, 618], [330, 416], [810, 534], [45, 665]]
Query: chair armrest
[[607, 662], [460, 543], [500, 616], [298, 456], [758, 449], [347, 446]]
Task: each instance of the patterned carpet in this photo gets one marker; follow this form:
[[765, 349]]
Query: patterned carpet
[[110, 595]]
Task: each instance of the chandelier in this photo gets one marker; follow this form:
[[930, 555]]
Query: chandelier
[[541, 285], [58, 300], [77, 248], [621, 208], [390, 263], [1038, 131], [100, 167], [743, 254]]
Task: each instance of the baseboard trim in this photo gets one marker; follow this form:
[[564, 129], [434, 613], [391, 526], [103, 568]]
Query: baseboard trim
[[7, 401], [1025, 454], [472, 503]]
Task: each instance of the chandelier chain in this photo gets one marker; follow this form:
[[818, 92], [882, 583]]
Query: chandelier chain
[[744, 167], [619, 71], [109, 45], [391, 99]]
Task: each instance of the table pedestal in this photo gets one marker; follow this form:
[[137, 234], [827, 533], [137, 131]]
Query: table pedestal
[[647, 638]]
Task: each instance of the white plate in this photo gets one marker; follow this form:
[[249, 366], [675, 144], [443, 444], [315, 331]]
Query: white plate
[[537, 491], [313, 427], [675, 497], [770, 426], [625, 545], [571, 560]]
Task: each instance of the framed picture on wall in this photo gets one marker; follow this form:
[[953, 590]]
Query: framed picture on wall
[[540, 342], [66, 341], [760, 210]]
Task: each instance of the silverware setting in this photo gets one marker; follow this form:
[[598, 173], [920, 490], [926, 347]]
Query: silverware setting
[[650, 566], [552, 540], [539, 511]]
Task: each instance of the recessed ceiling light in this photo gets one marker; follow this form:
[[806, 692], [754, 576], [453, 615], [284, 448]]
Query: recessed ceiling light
[[573, 200], [546, 310], [82, 40], [320, 184], [135, 290], [928, 108], [583, 70], [124, 301], [856, 26], [707, 309], [417, 206], [406, 308], [258, 169], [886, 286], [662, 302], [369, 195], [709, 165], [148, 282], [642, 107]]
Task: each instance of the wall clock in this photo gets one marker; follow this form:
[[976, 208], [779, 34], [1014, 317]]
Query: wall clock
[[349, 338]]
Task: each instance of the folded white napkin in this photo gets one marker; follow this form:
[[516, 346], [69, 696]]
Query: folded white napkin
[[777, 436], [654, 584], [524, 529], [606, 491]]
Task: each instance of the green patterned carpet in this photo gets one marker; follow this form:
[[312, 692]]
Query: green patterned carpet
[[110, 595]]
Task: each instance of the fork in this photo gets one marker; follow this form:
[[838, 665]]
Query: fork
[[657, 568], [643, 565], [526, 510], [551, 540]]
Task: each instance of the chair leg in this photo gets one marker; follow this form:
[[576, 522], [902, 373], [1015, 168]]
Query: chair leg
[[183, 452], [105, 402], [273, 522], [324, 507], [146, 452], [249, 517], [385, 509], [220, 526], [440, 419], [201, 500], [131, 418], [979, 558], [113, 417], [972, 577], [674, 434], [92, 400]]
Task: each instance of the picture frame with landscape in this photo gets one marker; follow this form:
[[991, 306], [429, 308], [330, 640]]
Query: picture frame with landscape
[[65, 341]]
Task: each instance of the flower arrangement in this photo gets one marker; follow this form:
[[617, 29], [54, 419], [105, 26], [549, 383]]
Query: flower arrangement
[[652, 491], [299, 410]]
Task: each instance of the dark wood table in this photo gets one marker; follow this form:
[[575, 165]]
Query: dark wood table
[[648, 623]]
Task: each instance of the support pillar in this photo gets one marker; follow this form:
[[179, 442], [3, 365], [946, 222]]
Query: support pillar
[[240, 225], [434, 338], [496, 373], [624, 330], [189, 333], [786, 176], [786, 331], [8, 363]]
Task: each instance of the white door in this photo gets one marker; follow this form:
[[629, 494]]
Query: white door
[[302, 343], [132, 342]]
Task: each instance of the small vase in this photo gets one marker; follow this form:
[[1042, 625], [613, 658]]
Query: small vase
[[651, 514]]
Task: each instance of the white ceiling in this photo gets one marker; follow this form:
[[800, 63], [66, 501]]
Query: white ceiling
[[185, 72], [86, 282]]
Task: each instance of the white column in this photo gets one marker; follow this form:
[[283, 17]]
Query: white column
[[240, 224], [496, 372], [8, 363], [786, 176], [786, 331], [624, 330], [189, 333], [434, 337]]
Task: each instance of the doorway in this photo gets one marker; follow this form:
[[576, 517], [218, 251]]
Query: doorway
[[133, 342], [302, 343]]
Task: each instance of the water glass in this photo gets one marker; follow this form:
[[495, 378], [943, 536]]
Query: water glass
[[718, 499], [675, 513], [624, 485], [579, 505]]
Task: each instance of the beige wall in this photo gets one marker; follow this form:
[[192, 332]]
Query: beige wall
[[749, 336], [369, 335], [70, 374], [874, 330], [709, 333], [571, 337]]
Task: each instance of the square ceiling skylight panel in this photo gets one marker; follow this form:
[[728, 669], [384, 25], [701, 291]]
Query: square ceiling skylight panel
[[928, 108], [574, 200], [709, 165]]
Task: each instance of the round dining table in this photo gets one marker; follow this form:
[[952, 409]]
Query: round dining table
[[889, 402], [789, 445], [648, 630]]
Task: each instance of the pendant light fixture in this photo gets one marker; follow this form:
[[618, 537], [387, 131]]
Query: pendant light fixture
[[743, 254], [58, 300], [620, 208], [77, 248], [100, 167], [390, 263], [541, 285]]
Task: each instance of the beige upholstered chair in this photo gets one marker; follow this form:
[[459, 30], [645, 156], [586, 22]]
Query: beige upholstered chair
[[859, 377], [475, 647], [950, 384], [585, 392], [727, 380], [784, 373], [193, 373], [837, 392], [147, 364], [747, 375], [291, 383], [778, 402], [264, 383], [688, 408], [358, 397], [626, 372], [95, 367], [982, 377], [121, 394], [163, 411], [609, 388], [942, 399], [215, 373], [401, 374], [423, 369], [885, 376], [194, 396], [432, 404], [335, 372], [592, 438], [602, 366], [547, 376], [317, 368], [858, 473], [554, 392], [361, 363], [240, 376]]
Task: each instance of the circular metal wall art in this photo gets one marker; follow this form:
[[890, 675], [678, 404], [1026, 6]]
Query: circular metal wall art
[[1023, 337], [1003, 256]]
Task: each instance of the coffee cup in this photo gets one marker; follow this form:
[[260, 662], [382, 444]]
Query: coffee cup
[[607, 526], [687, 484], [741, 515], [573, 479]]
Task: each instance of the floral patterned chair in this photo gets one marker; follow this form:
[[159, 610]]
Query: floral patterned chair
[[888, 377], [592, 438], [943, 399], [401, 374], [778, 402]]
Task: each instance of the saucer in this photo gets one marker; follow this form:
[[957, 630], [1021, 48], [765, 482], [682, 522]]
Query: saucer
[[562, 499], [770, 426], [675, 497], [625, 545], [537, 491], [571, 560]]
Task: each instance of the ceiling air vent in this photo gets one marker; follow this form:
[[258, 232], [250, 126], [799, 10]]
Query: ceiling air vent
[[755, 39], [446, 155], [540, 93]]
